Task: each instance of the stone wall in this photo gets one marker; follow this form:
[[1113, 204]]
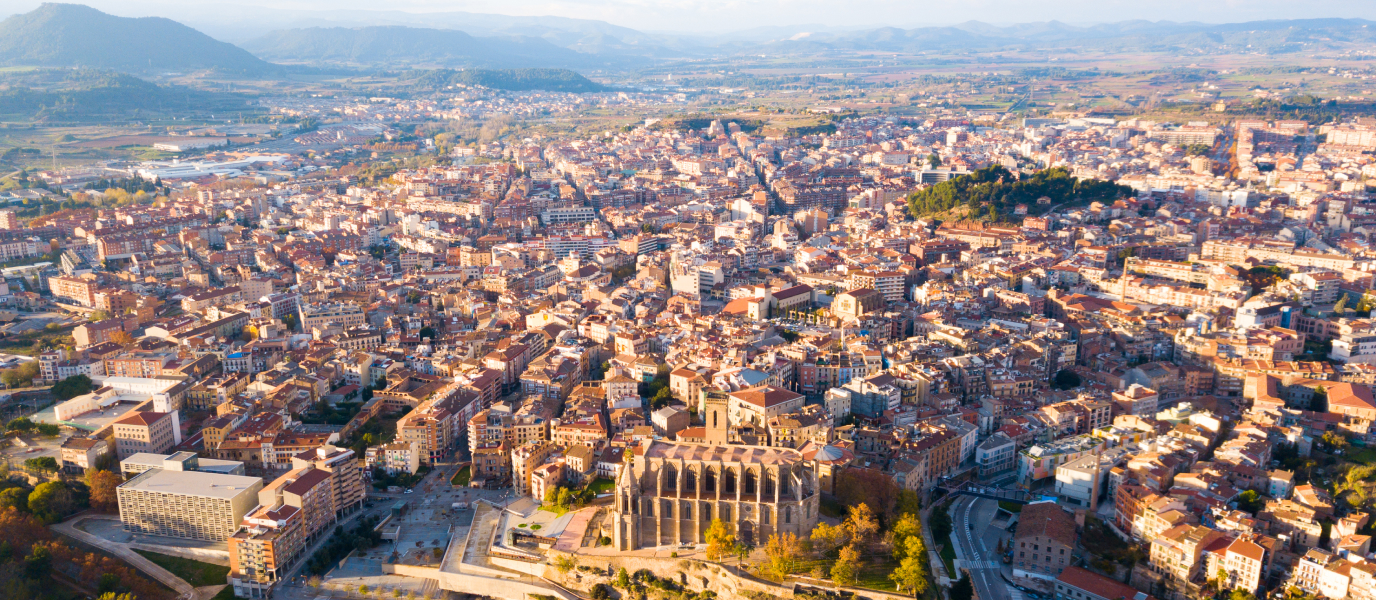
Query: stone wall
[[696, 575]]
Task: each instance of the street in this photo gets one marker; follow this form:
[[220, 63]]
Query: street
[[976, 544]]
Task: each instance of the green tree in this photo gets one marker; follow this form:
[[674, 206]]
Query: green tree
[[911, 575], [38, 562], [51, 501], [16, 498], [1066, 379], [1249, 501], [623, 579], [962, 589], [428, 332], [847, 566], [1341, 306], [905, 527], [934, 160], [940, 524], [42, 464], [98, 315], [72, 387]]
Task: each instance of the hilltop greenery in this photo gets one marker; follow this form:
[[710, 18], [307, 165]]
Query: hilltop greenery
[[992, 193], [519, 80]]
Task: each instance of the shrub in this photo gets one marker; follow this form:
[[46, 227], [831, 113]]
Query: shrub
[[601, 591]]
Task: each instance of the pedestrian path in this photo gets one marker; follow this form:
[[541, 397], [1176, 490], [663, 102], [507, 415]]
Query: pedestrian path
[[1015, 593], [980, 564]]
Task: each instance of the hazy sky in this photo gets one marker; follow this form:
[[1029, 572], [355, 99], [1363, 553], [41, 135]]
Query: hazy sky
[[729, 15]]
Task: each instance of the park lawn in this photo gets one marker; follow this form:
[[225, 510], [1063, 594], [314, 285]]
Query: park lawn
[[874, 575], [462, 477], [194, 572], [602, 485]]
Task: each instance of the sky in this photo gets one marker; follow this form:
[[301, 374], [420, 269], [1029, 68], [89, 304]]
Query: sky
[[721, 16]]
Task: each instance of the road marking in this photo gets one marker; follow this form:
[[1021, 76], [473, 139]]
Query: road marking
[[1015, 593]]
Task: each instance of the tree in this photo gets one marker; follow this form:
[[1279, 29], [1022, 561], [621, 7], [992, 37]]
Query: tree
[[1341, 306], [48, 430], [940, 523], [623, 579], [911, 575], [249, 334], [1318, 402], [861, 525], [98, 315], [21, 376], [1249, 501], [291, 321], [962, 589], [50, 501], [109, 582], [103, 484], [847, 566], [871, 487], [1067, 379], [122, 338], [909, 502], [16, 498], [721, 540], [71, 387], [826, 538], [1335, 440], [907, 526], [38, 562], [42, 464], [601, 591], [934, 160], [428, 332], [1241, 594], [21, 425], [565, 563], [783, 552]]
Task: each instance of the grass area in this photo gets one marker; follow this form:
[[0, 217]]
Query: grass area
[[874, 575], [1363, 457], [194, 572], [462, 477], [33, 342], [602, 485], [1012, 507], [225, 594], [948, 556]]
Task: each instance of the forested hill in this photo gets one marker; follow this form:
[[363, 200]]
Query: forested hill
[[552, 80], [992, 193], [72, 35]]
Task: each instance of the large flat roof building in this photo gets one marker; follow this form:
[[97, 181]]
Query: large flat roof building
[[187, 504]]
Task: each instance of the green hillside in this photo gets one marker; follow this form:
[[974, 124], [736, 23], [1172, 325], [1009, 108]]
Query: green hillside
[[73, 35]]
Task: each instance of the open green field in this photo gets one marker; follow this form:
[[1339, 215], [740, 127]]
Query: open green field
[[193, 572]]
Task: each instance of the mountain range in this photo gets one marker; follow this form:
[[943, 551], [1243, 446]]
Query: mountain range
[[73, 35], [70, 35]]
